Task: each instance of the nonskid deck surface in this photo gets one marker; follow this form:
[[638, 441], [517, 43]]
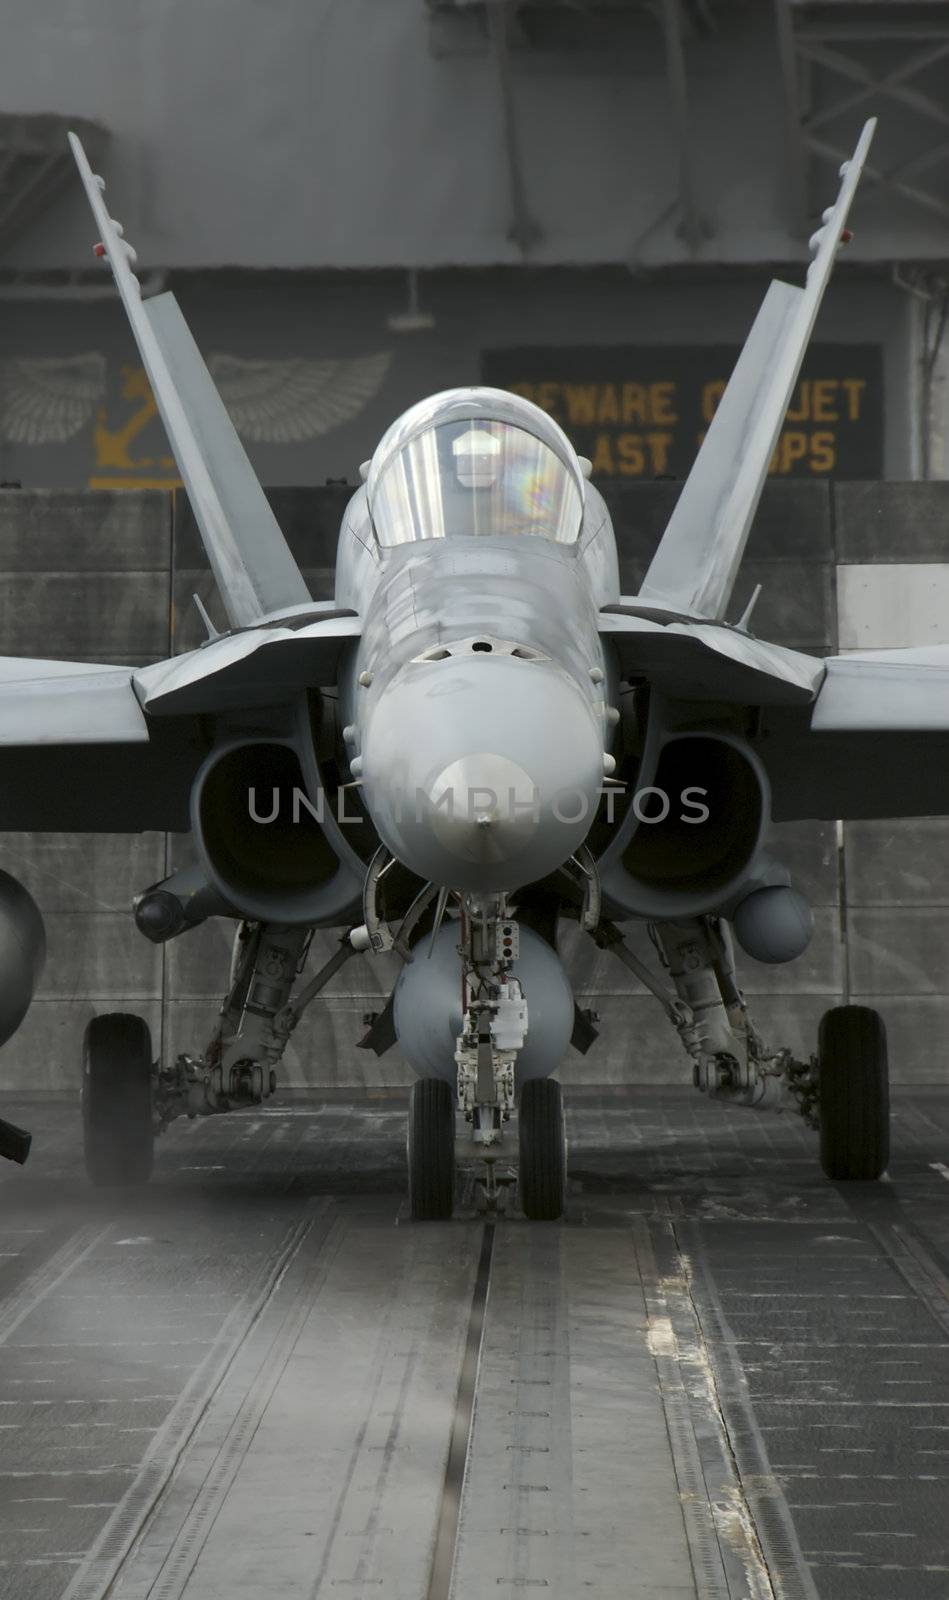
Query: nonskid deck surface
[[719, 1377]]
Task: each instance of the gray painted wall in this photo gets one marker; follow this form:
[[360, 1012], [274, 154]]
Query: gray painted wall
[[328, 133], [110, 576]]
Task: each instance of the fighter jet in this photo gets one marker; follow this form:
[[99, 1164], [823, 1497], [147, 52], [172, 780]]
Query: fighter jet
[[479, 739]]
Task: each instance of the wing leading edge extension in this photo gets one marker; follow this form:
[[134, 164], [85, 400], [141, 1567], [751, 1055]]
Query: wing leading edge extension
[[695, 566], [252, 564]]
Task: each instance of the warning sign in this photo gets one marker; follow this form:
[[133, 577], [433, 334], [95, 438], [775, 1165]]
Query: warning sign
[[642, 411]]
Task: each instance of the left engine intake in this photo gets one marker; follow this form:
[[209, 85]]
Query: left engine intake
[[268, 848]]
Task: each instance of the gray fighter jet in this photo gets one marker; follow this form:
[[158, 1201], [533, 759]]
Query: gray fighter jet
[[478, 738]]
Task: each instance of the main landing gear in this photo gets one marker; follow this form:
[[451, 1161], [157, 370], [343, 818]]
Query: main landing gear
[[854, 1093], [843, 1090], [126, 1099], [118, 1118]]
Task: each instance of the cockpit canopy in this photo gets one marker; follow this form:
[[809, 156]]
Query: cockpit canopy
[[475, 462]]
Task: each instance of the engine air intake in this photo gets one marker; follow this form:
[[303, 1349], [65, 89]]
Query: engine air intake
[[689, 838], [262, 839]]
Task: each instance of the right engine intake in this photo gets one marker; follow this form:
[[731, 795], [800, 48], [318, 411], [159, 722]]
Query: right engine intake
[[689, 838]]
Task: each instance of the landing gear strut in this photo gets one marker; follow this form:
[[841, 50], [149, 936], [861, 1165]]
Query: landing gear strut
[[843, 1090], [707, 1009], [126, 1099], [494, 1030], [257, 1018]]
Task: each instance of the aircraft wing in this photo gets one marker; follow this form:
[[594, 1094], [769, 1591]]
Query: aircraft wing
[[854, 736], [78, 753], [250, 558], [67, 703], [708, 661], [259, 667], [875, 742], [697, 561], [885, 691]]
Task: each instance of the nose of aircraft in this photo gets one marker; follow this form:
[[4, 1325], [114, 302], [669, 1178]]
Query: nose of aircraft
[[482, 772]]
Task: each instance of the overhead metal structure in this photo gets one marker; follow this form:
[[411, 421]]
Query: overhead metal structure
[[568, 28], [843, 60], [35, 162]]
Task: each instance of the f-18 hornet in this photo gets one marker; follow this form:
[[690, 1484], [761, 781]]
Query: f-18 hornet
[[477, 739]]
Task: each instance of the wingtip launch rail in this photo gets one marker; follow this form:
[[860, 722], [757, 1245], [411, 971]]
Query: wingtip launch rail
[[695, 566], [251, 561]]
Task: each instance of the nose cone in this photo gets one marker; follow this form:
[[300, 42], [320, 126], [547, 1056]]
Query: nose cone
[[482, 772], [484, 808]]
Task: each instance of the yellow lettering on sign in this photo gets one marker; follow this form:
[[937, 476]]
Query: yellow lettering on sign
[[793, 447], [631, 457], [608, 407], [824, 394], [815, 401], [817, 449], [603, 456], [823, 452], [662, 403], [659, 451], [711, 394], [634, 402], [580, 399], [853, 389]]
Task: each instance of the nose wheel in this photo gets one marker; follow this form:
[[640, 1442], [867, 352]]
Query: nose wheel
[[431, 1150], [543, 1150]]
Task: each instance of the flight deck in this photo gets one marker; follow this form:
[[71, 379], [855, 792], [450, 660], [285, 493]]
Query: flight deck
[[719, 1378]]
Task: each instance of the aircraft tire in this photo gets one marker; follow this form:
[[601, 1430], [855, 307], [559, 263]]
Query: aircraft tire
[[543, 1150], [431, 1150], [854, 1086], [117, 1121]]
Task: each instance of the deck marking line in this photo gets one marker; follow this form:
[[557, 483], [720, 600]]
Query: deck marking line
[[48, 1277], [917, 1267], [702, 1534], [103, 1563], [446, 1538], [772, 1555], [223, 1463]]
